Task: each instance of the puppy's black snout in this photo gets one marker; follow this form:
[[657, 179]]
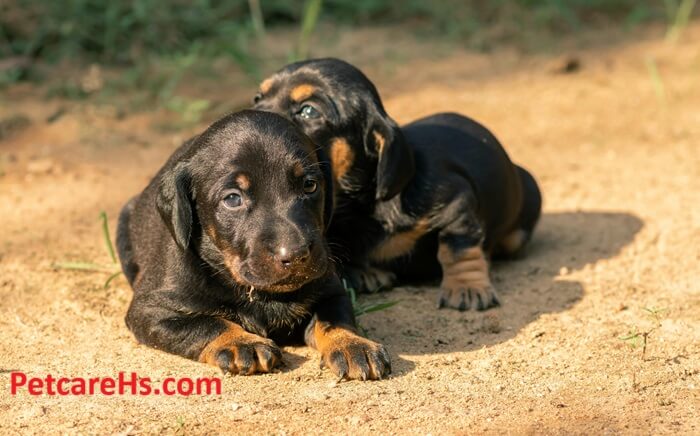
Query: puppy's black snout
[[294, 256]]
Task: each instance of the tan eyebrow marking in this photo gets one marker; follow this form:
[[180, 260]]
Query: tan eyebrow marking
[[266, 85], [243, 181], [302, 92]]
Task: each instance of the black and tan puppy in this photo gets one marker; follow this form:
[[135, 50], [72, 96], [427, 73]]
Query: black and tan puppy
[[226, 254], [437, 197]]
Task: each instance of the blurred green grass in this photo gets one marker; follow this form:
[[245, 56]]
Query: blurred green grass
[[124, 32], [148, 48]]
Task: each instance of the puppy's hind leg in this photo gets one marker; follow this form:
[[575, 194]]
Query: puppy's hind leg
[[465, 283]]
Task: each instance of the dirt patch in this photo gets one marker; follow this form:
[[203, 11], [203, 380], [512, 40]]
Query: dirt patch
[[616, 151]]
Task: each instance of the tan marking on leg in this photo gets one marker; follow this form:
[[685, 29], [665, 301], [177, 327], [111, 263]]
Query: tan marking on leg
[[341, 157], [348, 354], [264, 352], [465, 279], [513, 241], [233, 334], [266, 85], [326, 335], [399, 244], [302, 92], [379, 140], [243, 181], [468, 269]]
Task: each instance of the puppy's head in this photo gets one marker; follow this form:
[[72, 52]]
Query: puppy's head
[[251, 198], [339, 108]]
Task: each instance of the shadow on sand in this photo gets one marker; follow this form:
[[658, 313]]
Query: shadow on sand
[[529, 288]]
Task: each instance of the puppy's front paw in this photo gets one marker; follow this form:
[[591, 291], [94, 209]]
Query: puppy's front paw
[[479, 298], [239, 352], [351, 356]]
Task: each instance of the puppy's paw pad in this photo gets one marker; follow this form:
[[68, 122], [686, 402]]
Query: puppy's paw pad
[[471, 298]]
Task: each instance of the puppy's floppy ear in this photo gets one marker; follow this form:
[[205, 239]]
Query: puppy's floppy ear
[[329, 197], [174, 203], [396, 165]]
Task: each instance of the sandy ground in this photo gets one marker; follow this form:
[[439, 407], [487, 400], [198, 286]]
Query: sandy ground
[[618, 157]]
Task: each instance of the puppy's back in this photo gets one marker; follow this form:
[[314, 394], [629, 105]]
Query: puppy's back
[[454, 146]]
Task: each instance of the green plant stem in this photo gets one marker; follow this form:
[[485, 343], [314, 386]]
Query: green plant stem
[[656, 80], [256, 16], [681, 18], [105, 234], [312, 10], [110, 278], [84, 266]]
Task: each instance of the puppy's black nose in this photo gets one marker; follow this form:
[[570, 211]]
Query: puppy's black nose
[[293, 256]]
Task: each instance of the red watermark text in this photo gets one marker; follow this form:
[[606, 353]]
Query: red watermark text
[[124, 384]]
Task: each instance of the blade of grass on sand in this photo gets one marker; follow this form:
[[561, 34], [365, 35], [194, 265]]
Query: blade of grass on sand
[[105, 234], [110, 278], [84, 266], [377, 307], [656, 80]]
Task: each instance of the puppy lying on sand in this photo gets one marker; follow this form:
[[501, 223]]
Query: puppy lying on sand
[[226, 254]]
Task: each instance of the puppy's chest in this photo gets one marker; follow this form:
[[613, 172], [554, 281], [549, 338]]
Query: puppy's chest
[[274, 319]]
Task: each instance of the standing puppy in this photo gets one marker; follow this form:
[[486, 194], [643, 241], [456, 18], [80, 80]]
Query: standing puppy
[[225, 252], [436, 197]]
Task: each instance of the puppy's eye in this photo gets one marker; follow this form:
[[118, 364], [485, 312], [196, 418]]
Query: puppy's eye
[[308, 112], [310, 186], [233, 201], [257, 97]]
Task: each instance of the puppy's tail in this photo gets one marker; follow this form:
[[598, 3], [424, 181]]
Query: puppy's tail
[[124, 248]]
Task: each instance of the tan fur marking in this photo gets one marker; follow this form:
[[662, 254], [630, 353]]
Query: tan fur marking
[[380, 140], [302, 92], [266, 85], [232, 335], [298, 169], [327, 336], [243, 181], [339, 343], [401, 243], [513, 241], [341, 157], [464, 270], [232, 260]]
